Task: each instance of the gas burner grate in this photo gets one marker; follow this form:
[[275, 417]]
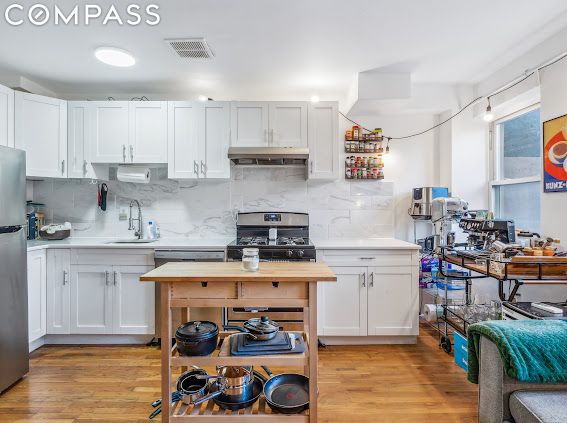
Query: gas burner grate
[[292, 241]]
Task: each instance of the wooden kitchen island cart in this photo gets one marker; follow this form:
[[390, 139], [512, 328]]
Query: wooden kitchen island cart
[[289, 284]]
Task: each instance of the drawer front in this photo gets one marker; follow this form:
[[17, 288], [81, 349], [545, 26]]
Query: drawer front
[[367, 257], [204, 290], [291, 290], [112, 256]]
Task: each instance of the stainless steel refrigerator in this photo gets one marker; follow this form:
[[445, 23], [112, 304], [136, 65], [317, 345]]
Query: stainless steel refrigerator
[[14, 361]]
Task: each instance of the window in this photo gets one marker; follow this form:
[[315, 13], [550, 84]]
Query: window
[[516, 183]]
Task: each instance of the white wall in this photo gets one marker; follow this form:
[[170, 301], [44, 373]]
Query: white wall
[[554, 104], [411, 163]]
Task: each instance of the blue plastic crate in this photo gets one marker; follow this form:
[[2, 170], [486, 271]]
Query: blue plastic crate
[[461, 354]]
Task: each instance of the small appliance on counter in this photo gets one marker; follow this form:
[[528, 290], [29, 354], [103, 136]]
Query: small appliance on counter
[[35, 214], [421, 201]]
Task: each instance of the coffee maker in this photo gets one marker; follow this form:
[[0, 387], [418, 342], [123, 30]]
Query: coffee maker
[[421, 201], [445, 212]]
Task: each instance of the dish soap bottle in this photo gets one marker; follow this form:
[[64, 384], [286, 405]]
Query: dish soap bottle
[[151, 230]]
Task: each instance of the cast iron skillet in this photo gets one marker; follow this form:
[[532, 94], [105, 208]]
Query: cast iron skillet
[[287, 393]]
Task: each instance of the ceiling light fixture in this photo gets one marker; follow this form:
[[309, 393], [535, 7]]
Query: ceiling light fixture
[[315, 99], [488, 115], [115, 57], [203, 97]]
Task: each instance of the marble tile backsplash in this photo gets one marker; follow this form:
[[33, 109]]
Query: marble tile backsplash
[[207, 209]]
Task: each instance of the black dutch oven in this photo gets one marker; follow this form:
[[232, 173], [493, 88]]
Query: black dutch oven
[[197, 338]]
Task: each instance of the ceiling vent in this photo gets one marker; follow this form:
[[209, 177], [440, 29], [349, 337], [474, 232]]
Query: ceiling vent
[[191, 48]]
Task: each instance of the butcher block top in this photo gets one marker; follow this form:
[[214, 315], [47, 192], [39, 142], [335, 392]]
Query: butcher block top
[[232, 272]]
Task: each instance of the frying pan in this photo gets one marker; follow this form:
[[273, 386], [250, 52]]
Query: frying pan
[[287, 393]]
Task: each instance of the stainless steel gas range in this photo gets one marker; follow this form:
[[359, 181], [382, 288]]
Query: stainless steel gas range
[[279, 236]]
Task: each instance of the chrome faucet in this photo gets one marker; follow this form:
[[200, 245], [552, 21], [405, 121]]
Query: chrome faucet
[[137, 233]]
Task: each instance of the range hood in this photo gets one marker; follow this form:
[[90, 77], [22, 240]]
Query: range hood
[[269, 156]]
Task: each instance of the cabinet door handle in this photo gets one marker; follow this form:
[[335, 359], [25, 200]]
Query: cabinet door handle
[[363, 279], [132, 153], [366, 258], [196, 167], [203, 168], [124, 153], [84, 167], [107, 277], [371, 283], [65, 277], [63, 167], [115, 277], [311, 166]]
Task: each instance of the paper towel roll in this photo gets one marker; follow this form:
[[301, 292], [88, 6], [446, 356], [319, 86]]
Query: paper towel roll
[[431, 312], [135, 174]]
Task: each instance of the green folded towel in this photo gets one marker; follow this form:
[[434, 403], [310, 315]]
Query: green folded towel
[[531, 350]]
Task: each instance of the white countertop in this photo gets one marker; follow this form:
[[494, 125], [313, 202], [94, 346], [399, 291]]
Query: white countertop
[[165, 243], [220, 244], [365, 244]]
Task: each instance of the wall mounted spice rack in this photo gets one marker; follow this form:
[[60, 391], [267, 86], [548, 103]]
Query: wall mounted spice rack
[[368, 163]]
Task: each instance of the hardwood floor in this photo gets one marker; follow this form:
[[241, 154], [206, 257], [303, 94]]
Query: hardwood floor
[[382, 383]]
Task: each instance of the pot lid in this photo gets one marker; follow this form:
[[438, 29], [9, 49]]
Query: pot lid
[[197, 330], [262, 325]]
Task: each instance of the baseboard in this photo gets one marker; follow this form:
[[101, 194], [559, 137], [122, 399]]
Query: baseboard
[[367, 340], [34, 345], [96, 339]]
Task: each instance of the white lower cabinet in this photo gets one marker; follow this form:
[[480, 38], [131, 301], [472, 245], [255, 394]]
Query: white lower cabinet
[[111, 300], [392, 301], [37, 280], [343, 304], [133, 301], [88, 293], [380, 300], [91, 299], [58, 291]]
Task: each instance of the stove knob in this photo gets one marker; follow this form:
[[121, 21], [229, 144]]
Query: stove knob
[[301, 253], [289, 253]]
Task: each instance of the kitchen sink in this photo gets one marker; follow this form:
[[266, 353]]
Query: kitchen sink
[[132, 241]]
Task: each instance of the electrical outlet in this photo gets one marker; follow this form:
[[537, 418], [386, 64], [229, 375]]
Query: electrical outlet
[[123, 214]]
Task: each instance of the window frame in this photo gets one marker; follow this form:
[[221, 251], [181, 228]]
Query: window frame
[[496, 155]]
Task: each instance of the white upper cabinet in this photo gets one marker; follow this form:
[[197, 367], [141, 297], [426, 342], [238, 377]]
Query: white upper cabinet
[[148, 132], [41, 131], [323, 140], [214, 139], [249, 124], [198, 139], [6, 117], [78, 139], [182, 149], [288, 124], [109, 132]]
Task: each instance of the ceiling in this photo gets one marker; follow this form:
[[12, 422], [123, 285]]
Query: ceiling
[[280, 49]]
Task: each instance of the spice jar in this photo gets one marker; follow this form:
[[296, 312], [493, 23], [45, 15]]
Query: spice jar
[[250, 259], [364, 173], [378, 133], [355, 132], [348, 135], [353, 173], [348, 173]]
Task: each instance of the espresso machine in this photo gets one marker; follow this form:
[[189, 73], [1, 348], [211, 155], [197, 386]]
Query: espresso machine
[[445, 212]]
